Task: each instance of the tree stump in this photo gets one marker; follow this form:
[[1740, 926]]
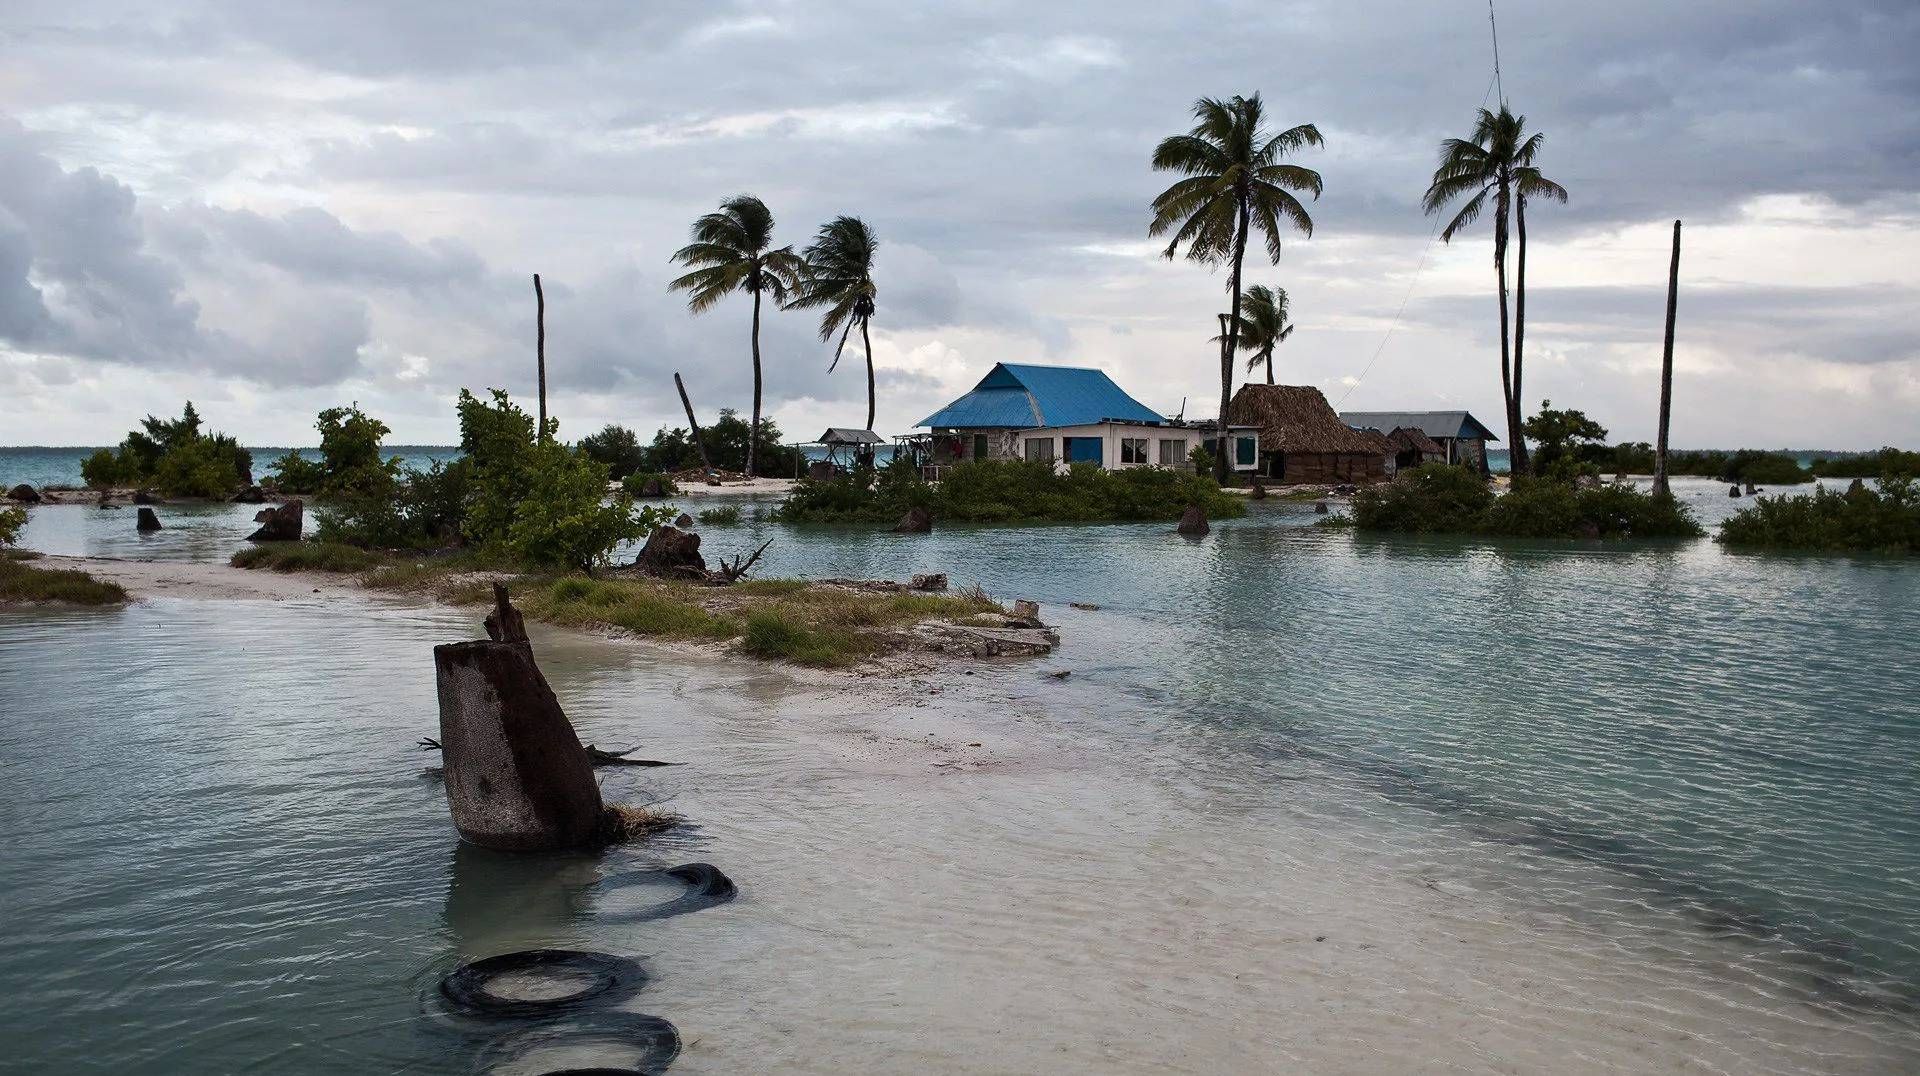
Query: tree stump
[[281, 523], [516, 776], [1193, 522], [671, 553], [147, 521], [916, 521]]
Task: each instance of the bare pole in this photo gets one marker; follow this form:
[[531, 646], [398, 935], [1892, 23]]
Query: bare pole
[[540, 347], [1666, 367], [693, 424]]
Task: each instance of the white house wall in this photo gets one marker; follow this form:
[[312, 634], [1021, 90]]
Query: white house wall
[[1111, 434]]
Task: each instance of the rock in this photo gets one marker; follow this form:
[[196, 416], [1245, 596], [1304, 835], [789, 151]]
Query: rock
[[1259, 491], [1061, 674], [24, 493], [281, 523], [671, 552], [250, 495], [982, 641], [146, 496], [1345, 489], [1319, 508], [1733, 491], [1026, 610], [147, 521], [1089, 606], [1752, 489], [684, 522], [916, 521], [929, 581], [1193, 522]]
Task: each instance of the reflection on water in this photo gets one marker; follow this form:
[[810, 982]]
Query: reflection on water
[[1440, 803]]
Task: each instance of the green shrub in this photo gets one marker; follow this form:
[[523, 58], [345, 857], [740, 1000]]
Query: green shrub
[[1435, 497], [726, 515], [673, 450], [294, 473], [1442, 499], [11, 520], [617, 449], [771, 634], [1886, 461], [175, 456], [1007, 491], [1766, 468], [1882, 520], [635, 484]]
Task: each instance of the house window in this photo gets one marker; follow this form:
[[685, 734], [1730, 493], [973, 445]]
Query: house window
[[1040, 448], [1133, 450], [1245, 454], [1173, 451]]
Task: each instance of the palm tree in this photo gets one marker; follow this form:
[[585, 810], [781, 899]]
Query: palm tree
[[839, 276], [1527, 183], [732, 250], [1235, 182], [1264, 326], [1477, 168]]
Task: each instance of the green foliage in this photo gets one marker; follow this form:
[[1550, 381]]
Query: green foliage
[[294, 473], [771, 634], [617, 449], [636, 484], [726, 515], [1442, 499], [1202, 458], [416, 510], [316, 556], [673, 449], [1882, 520], [175, 456], [22, 582], [1886, 461], [11, 520], [1007, 491], [1559, 434]]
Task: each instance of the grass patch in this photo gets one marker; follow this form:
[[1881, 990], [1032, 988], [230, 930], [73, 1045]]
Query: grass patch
[[307, 557], [776, 635], [22, 582], [621, 824], [726, 515]]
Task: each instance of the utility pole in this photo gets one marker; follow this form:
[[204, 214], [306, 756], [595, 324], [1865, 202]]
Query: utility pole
[[1666, 367], [540, 345]]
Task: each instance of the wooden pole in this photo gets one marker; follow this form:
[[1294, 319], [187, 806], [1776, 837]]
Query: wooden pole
[[693, 424], [540, 345], [1666, 367]]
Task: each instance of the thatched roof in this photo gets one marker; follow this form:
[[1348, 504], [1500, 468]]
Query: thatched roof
[[1297, 418], [1410, 438]]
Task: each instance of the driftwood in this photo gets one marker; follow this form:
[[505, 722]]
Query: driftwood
[[734, 572], [693, 427], [540, 350], [517, 778], [619, 758]]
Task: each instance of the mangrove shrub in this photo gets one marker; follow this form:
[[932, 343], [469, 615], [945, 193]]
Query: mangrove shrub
[[1884, 520], [173, 456], [1443, 499], [1007, 491]]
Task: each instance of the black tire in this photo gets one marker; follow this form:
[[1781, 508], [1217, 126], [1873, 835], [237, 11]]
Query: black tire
[[655, 1042], [706, 887], [612, 979]]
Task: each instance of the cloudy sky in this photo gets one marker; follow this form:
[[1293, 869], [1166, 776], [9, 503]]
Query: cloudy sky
[[273, 210]]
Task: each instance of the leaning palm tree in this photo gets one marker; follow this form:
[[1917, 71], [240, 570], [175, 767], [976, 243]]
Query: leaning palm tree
[[732, 250], [1263, 326], [1527, 183], [1480, 168], [1236, 182], [839, 276]]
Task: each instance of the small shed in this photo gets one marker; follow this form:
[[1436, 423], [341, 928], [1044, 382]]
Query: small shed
[[845, 448], [1412, 447], [1461, 437], [1302, 439]]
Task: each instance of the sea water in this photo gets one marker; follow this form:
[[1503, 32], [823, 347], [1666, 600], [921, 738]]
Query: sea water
[[1307, 800]]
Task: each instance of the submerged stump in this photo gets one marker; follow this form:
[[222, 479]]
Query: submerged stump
[[279, 524], [516, 777], [147, 521], [1193, 522]]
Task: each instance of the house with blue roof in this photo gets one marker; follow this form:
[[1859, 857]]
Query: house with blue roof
[[1064, 414]]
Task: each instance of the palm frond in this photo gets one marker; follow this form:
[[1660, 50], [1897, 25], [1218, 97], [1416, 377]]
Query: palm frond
[[1467, 215]]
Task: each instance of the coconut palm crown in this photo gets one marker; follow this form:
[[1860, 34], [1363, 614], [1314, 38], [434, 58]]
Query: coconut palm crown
[[839, 276], [1263, 326], [1236, 181], [733, 251]]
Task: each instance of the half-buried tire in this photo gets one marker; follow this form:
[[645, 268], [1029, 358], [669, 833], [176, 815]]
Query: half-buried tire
[[581, 977], [703, 886], [627, 1042]]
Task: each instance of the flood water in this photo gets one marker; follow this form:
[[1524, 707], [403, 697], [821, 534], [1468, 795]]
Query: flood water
[[1308, 801]]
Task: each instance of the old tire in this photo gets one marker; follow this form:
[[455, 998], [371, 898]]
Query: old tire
[[705, 886], [610, 979], [636, 1043]]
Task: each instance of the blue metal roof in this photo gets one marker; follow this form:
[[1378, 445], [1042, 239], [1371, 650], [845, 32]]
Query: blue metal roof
[[1022, 397]]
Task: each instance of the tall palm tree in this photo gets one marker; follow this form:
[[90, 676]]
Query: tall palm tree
[[1236, 182], [1263, 326], [1527, 183], [732, 250], [839, 276], [1478, 168]]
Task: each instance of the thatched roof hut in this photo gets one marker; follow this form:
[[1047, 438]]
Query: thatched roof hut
[[1303, 440]]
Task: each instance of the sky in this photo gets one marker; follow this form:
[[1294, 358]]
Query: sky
[[272, 209]]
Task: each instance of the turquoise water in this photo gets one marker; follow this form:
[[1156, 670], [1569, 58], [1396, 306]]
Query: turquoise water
[[1633, 736], [40, 467]]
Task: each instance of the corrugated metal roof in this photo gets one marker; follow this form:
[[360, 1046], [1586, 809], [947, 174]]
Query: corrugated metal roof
[[1432, 423], [1022, 396], [847, 435]]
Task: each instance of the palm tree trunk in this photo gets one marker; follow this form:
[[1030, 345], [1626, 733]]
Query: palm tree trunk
[[868, 342], [753, 431], [1520, 455], [1269, 366], [1515, 452], [1232, 346], [1666, 367]]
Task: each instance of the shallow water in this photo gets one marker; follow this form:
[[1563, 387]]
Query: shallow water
[[1308, 800]]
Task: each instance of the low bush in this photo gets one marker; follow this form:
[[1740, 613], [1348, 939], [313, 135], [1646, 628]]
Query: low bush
[[726, 515], [1007, 491], [636, 484], [22, 582], [306, 557], [174, 456], [616, 448], [1884, 520], [12, 519], [1886, 461], [1442, 499]]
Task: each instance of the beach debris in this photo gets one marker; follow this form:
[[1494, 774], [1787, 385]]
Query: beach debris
[[601, 977], [517, 777], [147, 521], [599, 1040], [733, 572], [428, 743], [146, 496], [1752, 489], [699, 442], [1259, 491], [1319, 508], [671, 553], [705, 886], [1061, 674], [1026, 614], [684, 521], [281, 523], [619, 758], [916, 521], [24, 493], [988, 635], [928, 581], [1193, 522], [250, 495]]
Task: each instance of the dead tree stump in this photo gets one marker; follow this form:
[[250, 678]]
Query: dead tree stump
[[281, 523], [516, 776], [1193, 522], [147, 521], [671, 553]]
